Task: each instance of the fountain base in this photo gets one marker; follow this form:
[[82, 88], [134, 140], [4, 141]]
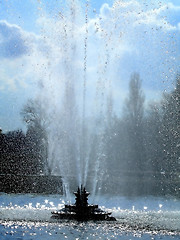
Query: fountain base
[[81, 210]]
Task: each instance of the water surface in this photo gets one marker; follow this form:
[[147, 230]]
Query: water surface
[[29, 217]]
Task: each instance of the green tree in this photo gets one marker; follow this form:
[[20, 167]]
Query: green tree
[[13, 153], [171, 131], [154, 142]]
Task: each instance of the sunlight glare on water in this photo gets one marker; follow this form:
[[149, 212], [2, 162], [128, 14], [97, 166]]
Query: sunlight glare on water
[[29, 217], [74, 230]]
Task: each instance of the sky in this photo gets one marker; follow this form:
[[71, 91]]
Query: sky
[[44, 44]]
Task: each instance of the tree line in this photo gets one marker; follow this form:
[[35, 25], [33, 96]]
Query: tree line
[[143, 144], [145, 141]]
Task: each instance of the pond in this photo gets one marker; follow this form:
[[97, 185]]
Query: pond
[[29, 217]]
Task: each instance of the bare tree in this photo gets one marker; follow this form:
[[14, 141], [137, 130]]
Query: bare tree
[[34, 115], [134, 122]]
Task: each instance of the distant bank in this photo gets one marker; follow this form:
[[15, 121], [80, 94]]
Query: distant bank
[[124, 185]]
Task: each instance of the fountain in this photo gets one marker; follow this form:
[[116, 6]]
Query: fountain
[[81, 78], [88, 144], [81, 210], [71, 131]]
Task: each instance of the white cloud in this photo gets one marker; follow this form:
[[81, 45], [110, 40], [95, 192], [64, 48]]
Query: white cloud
[[105, 11], [23, 57], [123, 38], [14, 42]]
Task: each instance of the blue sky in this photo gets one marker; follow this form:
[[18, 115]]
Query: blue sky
[[123, 36]]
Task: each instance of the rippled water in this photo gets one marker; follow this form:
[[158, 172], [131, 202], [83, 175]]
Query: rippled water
[[29, 217]]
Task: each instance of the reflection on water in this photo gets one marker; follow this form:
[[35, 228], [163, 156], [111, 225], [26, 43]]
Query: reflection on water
[[74, 230], [29, 217]]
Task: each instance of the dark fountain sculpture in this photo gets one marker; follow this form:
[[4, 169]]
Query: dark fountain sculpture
[[81, 210]]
